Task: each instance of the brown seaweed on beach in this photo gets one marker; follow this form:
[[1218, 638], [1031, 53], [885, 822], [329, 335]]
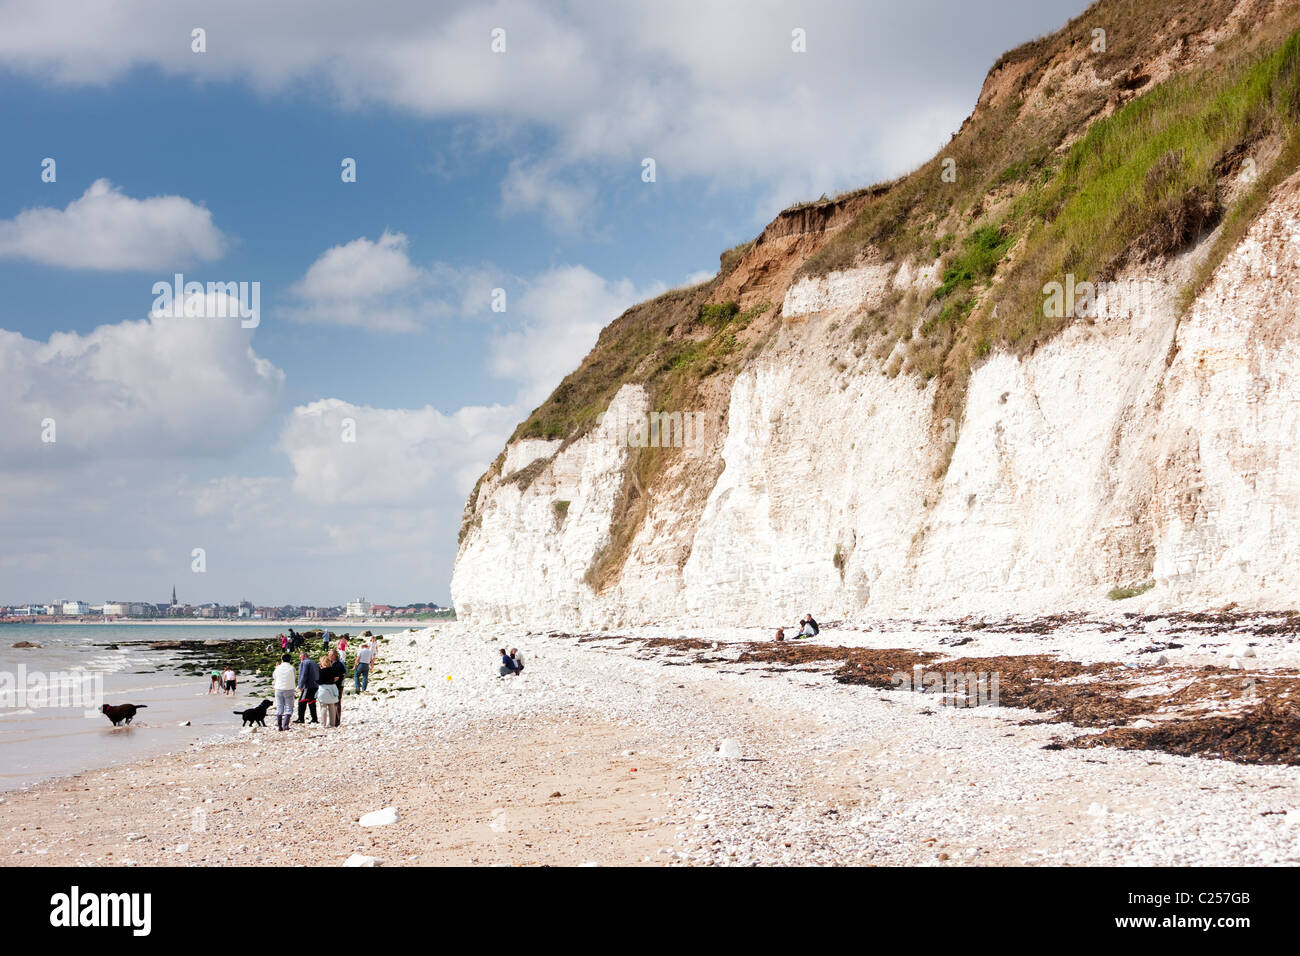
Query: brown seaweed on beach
[[1268, 734]]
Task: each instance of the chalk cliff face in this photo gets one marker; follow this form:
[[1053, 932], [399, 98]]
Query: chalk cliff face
[[1153, 443]]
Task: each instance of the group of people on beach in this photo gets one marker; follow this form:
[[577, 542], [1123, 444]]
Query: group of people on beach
[[807, 628], [223, 682], [512, 663], [318, 682]]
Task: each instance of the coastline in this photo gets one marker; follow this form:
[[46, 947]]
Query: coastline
[[628, 729], [80, 667], [297, 624]]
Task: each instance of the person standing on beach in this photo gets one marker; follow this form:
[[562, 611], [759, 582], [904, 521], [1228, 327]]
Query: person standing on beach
[[343, 648], [327, 693], [283, 682], [333, 673], [361, 673], [228, 680], [308, 681]]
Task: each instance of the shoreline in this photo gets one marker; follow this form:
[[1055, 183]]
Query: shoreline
[[628, 728], [43, 742], [225, 622]]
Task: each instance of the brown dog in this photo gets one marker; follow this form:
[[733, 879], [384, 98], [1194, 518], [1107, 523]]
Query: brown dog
[[120, 712]]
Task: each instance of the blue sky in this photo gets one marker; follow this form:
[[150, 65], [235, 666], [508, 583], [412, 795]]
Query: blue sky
[[475, 170]]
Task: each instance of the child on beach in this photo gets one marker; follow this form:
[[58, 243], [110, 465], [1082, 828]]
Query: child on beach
[[214, 683]]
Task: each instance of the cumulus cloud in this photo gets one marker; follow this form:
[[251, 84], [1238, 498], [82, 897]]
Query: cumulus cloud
[[157, 387], [366, 284], [560, 314], [705, 90], [357, 455], [107, 230]]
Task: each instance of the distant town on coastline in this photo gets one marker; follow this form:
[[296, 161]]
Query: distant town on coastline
[[359, 608]]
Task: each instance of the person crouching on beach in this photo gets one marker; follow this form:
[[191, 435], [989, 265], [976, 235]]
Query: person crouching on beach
[[283, 682], [214, 683], [308, 681], [508, 665], [518, 659]]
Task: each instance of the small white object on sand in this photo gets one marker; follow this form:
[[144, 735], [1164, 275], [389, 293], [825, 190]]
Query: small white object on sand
[[730, 749], [379, 818], [358, 859]]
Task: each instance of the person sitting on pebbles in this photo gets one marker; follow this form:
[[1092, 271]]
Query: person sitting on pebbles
[[508, 665]]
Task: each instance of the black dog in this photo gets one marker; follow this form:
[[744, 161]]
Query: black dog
[[255, 715], [120, 712]]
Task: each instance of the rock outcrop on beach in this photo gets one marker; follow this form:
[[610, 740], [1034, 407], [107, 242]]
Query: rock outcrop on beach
[[1054, 367]]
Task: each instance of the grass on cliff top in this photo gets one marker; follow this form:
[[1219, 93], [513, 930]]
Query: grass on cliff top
[[669, 345], [1142, 183]]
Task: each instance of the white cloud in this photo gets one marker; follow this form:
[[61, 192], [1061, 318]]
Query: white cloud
[[398, 456], [366, 284], [706, 90], [539, 188], [558, 317], [156, 387], [107, 230]]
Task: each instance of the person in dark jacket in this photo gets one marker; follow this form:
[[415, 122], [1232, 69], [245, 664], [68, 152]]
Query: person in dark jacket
[[508, 665], [308, 682]]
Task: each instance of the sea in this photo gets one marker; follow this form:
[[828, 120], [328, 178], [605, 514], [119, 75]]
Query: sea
[[50, 724]]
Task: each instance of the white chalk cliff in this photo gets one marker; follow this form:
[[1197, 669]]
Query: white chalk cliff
[[1157, 442]]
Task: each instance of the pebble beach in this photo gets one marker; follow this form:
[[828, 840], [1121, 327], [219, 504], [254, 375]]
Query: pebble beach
[[654, 747]]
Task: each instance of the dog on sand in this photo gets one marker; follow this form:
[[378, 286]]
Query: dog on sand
[[254, 715]]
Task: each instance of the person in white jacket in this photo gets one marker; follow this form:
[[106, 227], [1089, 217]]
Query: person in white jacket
[[284, 681]]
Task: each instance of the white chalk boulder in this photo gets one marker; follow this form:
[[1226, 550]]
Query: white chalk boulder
[[729, 749], [358, 859], [381, 818]]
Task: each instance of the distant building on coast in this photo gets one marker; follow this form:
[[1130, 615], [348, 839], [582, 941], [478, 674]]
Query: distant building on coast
[[358, 608]]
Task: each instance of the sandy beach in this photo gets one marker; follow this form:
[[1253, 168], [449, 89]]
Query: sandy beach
[[654, 747]]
